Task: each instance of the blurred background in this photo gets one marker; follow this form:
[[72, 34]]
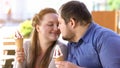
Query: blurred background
[[14, 12], [17, 14]]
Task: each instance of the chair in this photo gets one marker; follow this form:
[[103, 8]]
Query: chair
[[8, 51]]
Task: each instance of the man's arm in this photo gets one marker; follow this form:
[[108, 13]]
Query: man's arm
[[110, 53]]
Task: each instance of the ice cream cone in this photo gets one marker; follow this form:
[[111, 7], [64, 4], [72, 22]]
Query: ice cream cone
[[58, 56], [19, 43]]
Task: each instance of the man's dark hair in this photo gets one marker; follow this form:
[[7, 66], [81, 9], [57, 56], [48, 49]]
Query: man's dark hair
[[77, 11]]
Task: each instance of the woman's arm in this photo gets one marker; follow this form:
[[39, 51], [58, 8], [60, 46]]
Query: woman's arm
[[20, 55]]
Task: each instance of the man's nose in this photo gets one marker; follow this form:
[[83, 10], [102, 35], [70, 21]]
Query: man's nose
[[58, 27]]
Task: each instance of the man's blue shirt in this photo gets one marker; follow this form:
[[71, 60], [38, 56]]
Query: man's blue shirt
[[98, 48]]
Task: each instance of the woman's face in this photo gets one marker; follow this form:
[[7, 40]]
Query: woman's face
[[48, 28]]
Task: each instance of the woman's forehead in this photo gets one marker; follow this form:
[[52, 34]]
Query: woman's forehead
[[50, 18]]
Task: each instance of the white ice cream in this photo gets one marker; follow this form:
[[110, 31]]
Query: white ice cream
[[57, 52]]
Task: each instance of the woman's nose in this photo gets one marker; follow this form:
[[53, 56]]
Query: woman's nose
[[56, 27]]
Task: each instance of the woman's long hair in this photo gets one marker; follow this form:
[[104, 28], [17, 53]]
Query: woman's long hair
[[35, 49]]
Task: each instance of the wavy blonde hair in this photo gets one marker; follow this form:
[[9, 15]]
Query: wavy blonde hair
[[35, 49]]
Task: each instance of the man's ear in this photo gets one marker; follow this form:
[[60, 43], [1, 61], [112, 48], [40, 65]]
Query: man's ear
[[72, 23], [37, 27]]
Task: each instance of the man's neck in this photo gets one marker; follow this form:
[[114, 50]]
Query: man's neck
[[79, 32]]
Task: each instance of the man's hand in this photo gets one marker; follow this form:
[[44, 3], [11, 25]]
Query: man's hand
[[66, 64]]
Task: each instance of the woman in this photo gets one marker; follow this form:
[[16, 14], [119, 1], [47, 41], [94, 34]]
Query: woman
[[38, 52]]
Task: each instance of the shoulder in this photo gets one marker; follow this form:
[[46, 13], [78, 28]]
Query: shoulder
[[102, 33], [100, 30], [104, 38], [26, 43], [62, 45], [26, 46]]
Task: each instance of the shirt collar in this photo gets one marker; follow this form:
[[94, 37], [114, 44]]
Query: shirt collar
[[86, 36], [76, 43]]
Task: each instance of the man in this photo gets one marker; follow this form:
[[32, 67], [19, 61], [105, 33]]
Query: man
[[90, 45]]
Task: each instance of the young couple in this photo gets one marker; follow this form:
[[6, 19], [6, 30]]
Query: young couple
[[90, 45]]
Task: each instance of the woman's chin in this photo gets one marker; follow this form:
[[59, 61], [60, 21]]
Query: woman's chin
[[54, 38]]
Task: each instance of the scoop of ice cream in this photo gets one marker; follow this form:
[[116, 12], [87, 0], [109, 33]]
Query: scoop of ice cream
[[57, 52]]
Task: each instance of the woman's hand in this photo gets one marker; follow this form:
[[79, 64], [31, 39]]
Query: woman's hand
[[20, 56]]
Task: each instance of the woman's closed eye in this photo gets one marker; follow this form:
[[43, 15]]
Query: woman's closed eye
[[50, 24]]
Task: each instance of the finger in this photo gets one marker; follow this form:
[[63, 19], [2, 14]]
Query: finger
[[19, 56], [19, 50], [59, 64], [20, 53], [20, 59]]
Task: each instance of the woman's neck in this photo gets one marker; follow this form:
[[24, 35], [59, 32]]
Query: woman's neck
[[44, 46]]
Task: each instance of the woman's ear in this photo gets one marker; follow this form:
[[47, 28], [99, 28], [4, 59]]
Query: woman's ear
[[37, 27]]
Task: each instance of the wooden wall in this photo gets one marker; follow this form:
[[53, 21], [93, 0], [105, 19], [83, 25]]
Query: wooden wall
[[107, 19]]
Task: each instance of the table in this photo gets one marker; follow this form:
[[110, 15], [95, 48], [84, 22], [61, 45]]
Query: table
[[8, 47], [6, 57]]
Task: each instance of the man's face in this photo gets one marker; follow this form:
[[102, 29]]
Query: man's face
[[65, 29]]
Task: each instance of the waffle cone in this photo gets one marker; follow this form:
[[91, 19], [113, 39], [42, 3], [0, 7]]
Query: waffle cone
[[19, 43], [60, 58]]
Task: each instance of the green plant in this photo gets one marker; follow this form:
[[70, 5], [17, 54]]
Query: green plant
[[114, 4], [26, 28]]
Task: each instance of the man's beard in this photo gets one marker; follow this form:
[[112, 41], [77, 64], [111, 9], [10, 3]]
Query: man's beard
[[66, 38]]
